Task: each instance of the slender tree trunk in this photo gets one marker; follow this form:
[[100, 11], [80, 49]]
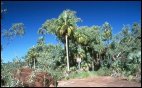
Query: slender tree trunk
[[30, 65], [34, 63], [67, 53], [93, 65], [85, 54], [79, 65], [92, 62], [97, 56], [67, 44]]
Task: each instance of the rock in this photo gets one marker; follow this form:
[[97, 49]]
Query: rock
[[30, 78]]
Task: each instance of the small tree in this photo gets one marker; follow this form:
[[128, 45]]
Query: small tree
[[32, 56]]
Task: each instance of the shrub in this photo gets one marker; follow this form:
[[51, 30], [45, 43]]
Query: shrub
[[104, 71]]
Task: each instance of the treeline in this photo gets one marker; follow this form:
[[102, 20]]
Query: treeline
[[95, 46]]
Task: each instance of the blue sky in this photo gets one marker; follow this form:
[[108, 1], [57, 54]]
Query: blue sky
[[33, 14]]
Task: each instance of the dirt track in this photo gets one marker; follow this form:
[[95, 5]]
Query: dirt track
[[98, 82]]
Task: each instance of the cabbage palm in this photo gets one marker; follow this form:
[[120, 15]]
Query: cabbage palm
[[32, 57], [107, 36], [63, 28], [68, 22], [107, 32], [89, 39]]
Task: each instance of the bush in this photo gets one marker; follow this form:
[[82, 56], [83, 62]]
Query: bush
[[104, 71], [79, 75]]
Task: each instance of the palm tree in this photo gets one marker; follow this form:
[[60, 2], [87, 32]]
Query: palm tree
[[32, 57], [88, 38], [107, 35], [107, 32], [63, 28], [67, 21]]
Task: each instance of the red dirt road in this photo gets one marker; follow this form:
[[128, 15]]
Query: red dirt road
[[104, 81]]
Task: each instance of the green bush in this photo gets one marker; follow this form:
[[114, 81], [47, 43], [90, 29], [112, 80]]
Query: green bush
[[79, 75], [104, 71]]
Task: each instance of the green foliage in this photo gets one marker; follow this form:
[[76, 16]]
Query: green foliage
[[107, 31], [41, 40], [65, 24], [81, 74], [8, 70], [52, 56], [32, 56], [63, 27], [86, 35], [104, 71], [50, 59], [17, 29]]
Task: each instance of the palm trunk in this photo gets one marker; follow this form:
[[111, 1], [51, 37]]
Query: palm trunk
[[67, 53]]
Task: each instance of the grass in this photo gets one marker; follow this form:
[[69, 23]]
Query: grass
[[100, 72], [82, 74]]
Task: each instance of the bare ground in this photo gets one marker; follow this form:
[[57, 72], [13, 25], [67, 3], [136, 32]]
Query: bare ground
[[104, 81]]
